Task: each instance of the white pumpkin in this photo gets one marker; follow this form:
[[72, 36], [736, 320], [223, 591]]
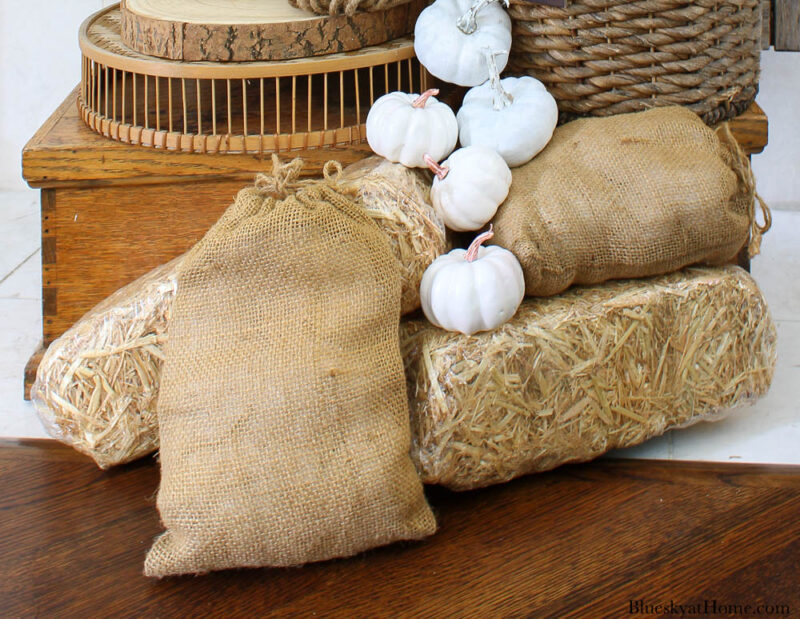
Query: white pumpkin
[[403, 128], [469, 186], [515, 116], [450, 34], [474, 290]]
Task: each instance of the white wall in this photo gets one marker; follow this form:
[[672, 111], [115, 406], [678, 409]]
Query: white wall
[[39, 66], [37, 72], [777, 169]]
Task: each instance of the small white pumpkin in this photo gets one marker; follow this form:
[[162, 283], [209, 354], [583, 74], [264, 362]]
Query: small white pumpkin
[[403, 128], [515, 116], [450, 34], [474, 290], [469, 186]]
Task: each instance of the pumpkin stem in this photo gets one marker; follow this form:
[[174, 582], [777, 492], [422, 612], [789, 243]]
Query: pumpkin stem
[[502, 98], [467, 22], [472, 252], [420, 101], [439, 171]]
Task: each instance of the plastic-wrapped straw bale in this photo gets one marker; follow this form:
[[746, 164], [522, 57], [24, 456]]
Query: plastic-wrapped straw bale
[[573, 376], [97, 385]]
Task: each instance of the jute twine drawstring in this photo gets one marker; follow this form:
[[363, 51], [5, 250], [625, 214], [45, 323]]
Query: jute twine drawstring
[[741, 166], [283, 182], [282, 179]]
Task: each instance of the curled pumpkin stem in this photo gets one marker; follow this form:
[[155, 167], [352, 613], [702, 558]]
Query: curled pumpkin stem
[[438, 170], [420, 101], [467, 23], [472, 252], [502, 98]]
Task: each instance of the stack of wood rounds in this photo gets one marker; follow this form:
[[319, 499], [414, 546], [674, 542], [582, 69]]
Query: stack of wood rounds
[[241, 76]]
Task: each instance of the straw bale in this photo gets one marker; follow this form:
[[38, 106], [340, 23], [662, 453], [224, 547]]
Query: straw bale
[[97, 385], [575, 375]]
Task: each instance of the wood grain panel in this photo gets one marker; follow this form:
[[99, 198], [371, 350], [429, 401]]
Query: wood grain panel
[[766, 24], [109, 236], [581, 541], [787, 25], [751, 130], [65, 152]]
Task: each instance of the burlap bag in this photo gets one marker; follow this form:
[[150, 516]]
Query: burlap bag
[[631, 195], [283, 416], [97, 386]]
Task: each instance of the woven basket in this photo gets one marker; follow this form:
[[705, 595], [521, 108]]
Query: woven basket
[[604, 57]]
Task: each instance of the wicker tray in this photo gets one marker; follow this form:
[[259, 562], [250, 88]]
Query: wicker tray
[[235, 107], [603, 57]]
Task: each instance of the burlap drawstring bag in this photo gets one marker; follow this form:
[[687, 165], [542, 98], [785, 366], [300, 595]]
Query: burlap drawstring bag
[[283, 414], [346, 7], [397, 198], [97, 385], [631, 195]]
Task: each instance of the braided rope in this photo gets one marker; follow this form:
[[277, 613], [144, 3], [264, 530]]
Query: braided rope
[[603, 57], [346, 7]]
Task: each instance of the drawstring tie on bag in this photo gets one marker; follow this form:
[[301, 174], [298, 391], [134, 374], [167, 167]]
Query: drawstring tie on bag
[[283, 182], [282, 179], [741, 166]]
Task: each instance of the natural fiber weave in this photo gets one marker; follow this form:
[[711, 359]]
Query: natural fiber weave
[[632, 195], [283, 413], [603, 57], [395, 197], [346, 7], [573, 376]]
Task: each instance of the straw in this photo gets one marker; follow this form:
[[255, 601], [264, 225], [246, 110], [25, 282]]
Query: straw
[[573, 376], [97, 385]]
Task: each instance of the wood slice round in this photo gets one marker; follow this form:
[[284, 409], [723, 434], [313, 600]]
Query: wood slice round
[[253, 30]]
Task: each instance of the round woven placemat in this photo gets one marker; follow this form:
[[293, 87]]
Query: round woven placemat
[[603, 57]]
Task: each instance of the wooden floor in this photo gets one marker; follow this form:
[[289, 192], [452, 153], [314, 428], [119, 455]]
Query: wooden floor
[[586, 540]]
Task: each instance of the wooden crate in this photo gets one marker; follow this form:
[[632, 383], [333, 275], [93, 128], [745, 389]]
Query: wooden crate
[[780, 25], [111, 211]]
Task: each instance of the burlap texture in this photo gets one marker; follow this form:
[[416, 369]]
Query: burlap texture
[[283, 415], [631, 195]]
